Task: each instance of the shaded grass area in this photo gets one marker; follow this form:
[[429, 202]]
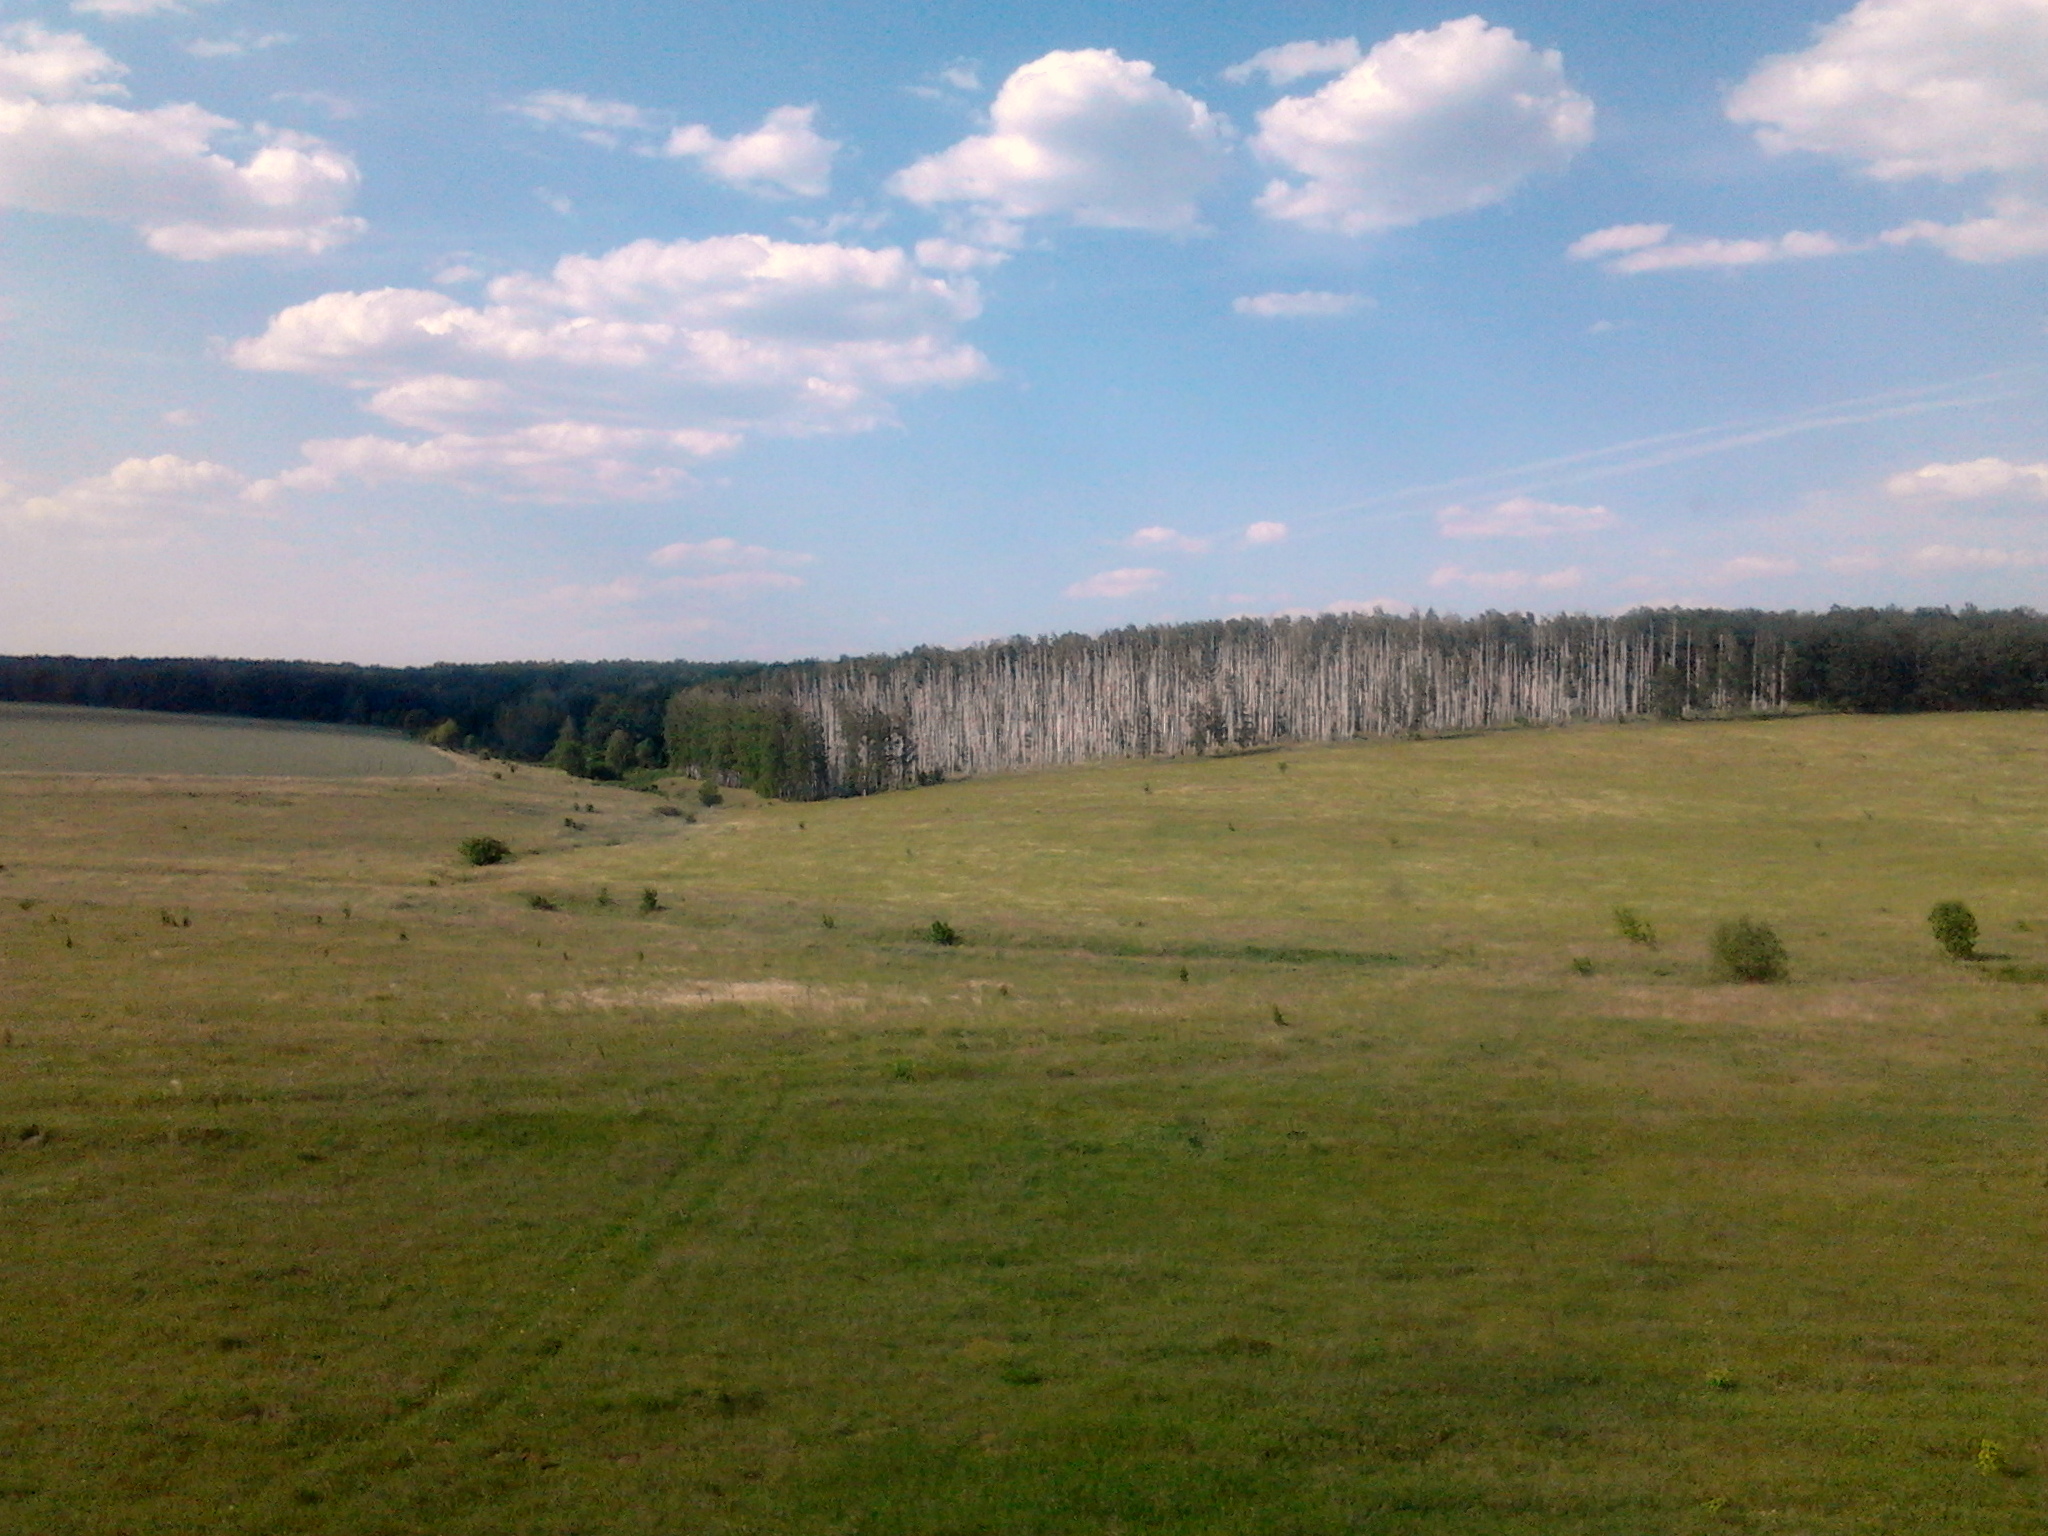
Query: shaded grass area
[[63, 738], [376, 1200]]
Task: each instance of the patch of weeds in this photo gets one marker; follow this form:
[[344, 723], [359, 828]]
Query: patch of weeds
[[1231, 1345], [604, 896], [942, 933], [670, 810], [1723, 1381], [1634, 927], [541, 903], [827, 920], [650, 901], [1018, 1374], [2026, 975], [903, 1072], [1747, 950], [1582, 964], [483, 850]]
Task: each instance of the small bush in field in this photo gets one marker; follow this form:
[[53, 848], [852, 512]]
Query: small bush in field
[[1746, 950], [650, 900], [1955, 929], [541, 903], [942, 933], [483, 850], [1634, 927], [708, 793]]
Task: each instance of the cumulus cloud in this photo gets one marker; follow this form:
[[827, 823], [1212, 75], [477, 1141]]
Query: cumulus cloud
[[1521, 517], [1127, 582], [1426, 124], [1972, 480], [1506, 581], [785, 155], [955, 256], [1310, 305], [1947, 90], [64, 149], [1266, 533], [237, 45], [1086, 135], [1168, 538], [1290, 62], [1633, 248], [137, 494], [611, 376]]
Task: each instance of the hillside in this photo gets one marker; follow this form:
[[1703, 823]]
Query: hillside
[[1292, 1144]]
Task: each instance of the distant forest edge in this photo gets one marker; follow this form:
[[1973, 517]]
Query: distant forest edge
[[804, 730]]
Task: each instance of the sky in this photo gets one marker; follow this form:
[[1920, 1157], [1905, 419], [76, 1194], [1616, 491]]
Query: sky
[[711, 329]]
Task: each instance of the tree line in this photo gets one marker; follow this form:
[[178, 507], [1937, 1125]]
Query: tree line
[[859, 725]]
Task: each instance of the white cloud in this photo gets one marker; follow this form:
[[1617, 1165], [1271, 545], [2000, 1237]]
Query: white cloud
[[1310, 305], [1633, 248], [1912, 88], [1427, 124], [1266, 533], [1127, 582], [139, 494], [2015, 227], [1860, 563], [725, 553], [1168, 538], [1754, 567], [123, 8], [1289, 62], [591, 119], [1506, 581], [1948, 90], [1950, 557], [62, 151], [237, 45], [1087, 135], [962, 75], [785, 155], [1972, 480], [954, 256], [612, 375], [1521, 517]]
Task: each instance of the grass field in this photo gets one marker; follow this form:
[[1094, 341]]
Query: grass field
[[60, 738], [1261, 1161]]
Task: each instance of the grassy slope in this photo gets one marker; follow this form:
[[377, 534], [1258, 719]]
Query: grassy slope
[[64, 738], [453, 1215]]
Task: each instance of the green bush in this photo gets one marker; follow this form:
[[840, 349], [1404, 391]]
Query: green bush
[[708, 793], [942, 933], [541, 903], [1746, 950], [650, 899], [483, 850], [1955, 929]]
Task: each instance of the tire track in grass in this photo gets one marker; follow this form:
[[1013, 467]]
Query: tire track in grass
[[481, 1379]]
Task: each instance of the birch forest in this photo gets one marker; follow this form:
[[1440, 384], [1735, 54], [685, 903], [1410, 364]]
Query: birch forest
[[880, 723]]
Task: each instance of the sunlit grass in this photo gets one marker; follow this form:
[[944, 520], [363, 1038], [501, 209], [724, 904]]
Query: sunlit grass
[[1259, 1161]]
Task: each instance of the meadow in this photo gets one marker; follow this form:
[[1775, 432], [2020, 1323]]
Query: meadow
[[63, 738], [1291, 1144]]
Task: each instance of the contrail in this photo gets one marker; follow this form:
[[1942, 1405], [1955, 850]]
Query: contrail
[[1676, 447]]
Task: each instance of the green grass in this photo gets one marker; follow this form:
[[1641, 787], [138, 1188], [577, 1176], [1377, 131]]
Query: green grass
[[451, 1214], [60, 738]]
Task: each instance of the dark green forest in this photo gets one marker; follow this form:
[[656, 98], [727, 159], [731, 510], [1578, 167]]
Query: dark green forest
[[862, 724]]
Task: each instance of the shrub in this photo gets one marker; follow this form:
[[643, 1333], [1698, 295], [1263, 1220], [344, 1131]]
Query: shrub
[[1634, 927], [1582, 964], [483, 850], [650, 901], [942, 933], [1746, 950], [541, 903], [708, 793], [1955, 929]]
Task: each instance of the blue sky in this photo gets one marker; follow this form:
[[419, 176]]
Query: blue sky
[[715, 329]]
